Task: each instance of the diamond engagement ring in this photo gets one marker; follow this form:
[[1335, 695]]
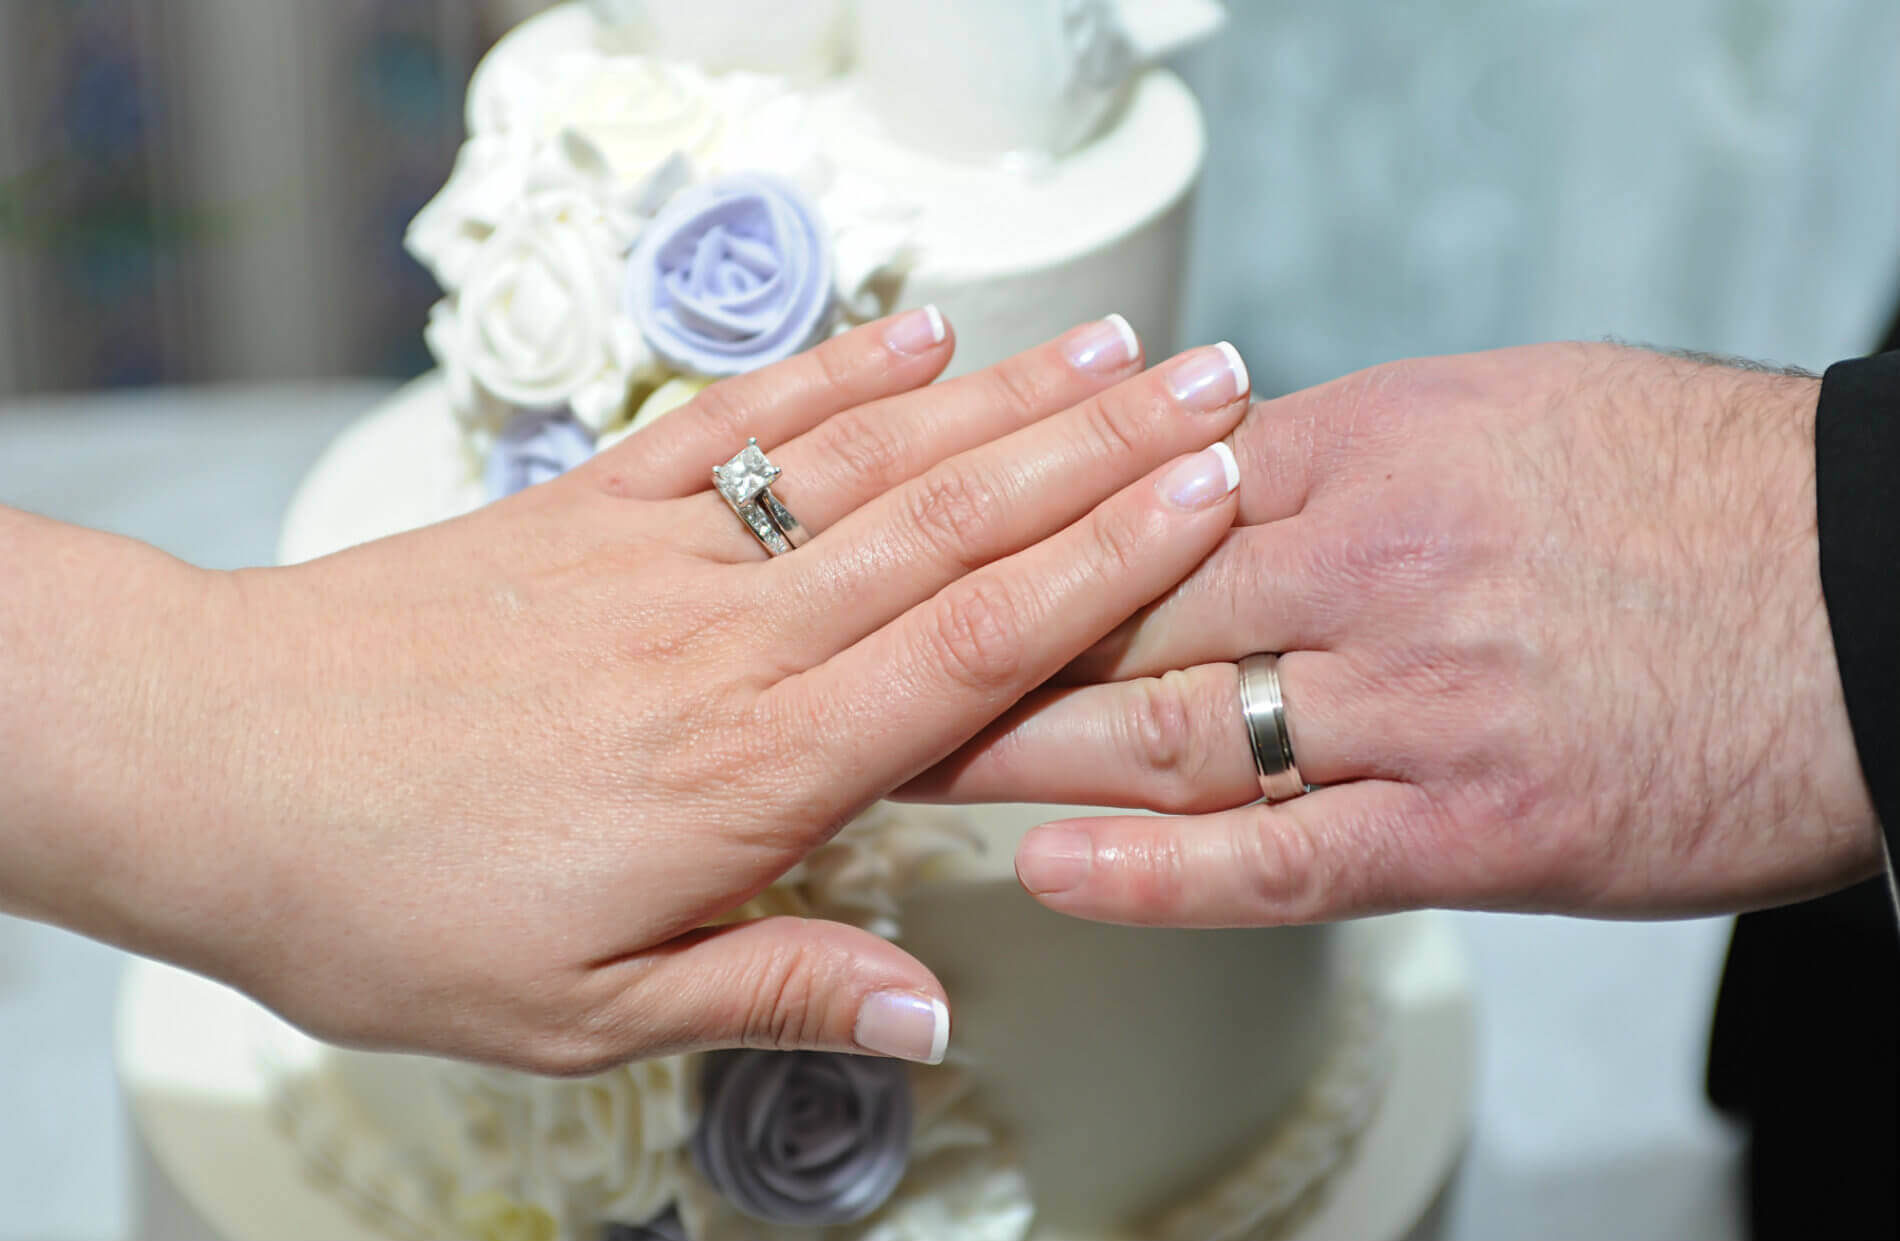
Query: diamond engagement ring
[[1264, 711], [746, 484]]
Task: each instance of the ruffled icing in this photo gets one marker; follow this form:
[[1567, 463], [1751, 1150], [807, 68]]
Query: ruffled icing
[[1260, 1197]]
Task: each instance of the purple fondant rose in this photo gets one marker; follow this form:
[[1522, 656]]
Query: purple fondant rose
[[533, 448], [732, 275], [804, 1139]]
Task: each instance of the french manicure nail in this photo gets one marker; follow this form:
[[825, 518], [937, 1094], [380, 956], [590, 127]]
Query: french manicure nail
[[915, 331], [1053, 859], [905, 1026], [1102, 347], [1202, 480], [1209, 379]]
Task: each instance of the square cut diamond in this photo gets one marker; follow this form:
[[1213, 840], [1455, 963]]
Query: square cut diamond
[[742, 479]]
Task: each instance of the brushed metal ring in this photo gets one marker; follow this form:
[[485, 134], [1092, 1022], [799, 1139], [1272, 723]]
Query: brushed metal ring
[[1263, 709]]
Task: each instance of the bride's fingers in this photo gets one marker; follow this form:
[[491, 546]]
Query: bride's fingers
[[778, 983], [995, 500], [1363, 848], [675, 455], [910, 693], [1176, 742], [860, 453]]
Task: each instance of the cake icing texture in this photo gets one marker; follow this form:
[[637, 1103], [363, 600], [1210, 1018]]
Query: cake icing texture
[[640, 210]]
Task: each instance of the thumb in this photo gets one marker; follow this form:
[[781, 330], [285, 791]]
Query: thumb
[[780, 984]]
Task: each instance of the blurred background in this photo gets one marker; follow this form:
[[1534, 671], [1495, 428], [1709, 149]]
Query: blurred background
[[201, 281], [196, 190]]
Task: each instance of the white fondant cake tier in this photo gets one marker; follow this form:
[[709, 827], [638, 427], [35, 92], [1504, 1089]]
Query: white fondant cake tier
[[203, 1067]]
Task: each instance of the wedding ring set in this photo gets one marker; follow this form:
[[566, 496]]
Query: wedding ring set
[[746, 484]]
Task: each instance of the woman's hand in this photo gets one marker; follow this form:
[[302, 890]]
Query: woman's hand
[[1554, 640], [480, 789]]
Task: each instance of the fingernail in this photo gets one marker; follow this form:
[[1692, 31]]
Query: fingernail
[[903, 1025], [1209, 379], [1201, 481], [1053, 859], [915, 331], [1102, 347]]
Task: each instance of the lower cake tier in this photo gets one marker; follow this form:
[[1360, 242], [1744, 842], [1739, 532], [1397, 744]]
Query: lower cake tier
[[1103, 1082], [231, 1149]]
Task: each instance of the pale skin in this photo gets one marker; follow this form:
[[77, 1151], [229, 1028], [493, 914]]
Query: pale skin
[[1555, 641], [478, 790]]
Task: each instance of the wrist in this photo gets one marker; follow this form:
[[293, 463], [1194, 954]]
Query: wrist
[[1844, 832], [104, 738]]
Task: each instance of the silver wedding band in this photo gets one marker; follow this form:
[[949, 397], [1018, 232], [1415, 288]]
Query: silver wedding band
[[1264, 710], [745, 483]]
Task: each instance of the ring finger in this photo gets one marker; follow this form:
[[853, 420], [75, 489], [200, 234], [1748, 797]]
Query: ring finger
[[1175, 743], [863, 451]]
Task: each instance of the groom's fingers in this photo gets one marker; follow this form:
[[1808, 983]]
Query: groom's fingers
[[1363, 848], [1175, 742], [900, 700]]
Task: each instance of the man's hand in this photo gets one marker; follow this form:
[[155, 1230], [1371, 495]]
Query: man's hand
[[1554, 640]]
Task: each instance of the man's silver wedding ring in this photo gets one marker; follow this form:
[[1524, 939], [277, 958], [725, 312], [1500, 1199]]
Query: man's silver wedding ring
[[746, 484], [1264, 711]]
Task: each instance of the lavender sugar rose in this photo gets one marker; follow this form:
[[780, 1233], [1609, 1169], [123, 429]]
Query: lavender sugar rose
[[804, 1139], [732, 275]]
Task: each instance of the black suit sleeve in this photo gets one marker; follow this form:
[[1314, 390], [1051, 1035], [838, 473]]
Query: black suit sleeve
[[1857, 504]]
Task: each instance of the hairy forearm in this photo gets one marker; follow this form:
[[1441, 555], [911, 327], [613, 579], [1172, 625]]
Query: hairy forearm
[[105, 747]]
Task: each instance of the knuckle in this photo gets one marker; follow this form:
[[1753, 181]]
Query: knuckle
[[871, 453], [1401, 549], [1119, 533], [721, 412], [1116, 428], [977, 635], [831, 364], [788, 987], [1282, 867], [946, 508], [1161, 732], [1019, 385]]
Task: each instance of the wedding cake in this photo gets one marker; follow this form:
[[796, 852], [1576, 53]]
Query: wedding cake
[[1024, 166]]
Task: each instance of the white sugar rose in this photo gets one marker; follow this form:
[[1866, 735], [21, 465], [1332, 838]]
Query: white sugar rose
[[493, 176], [610, 1146], [635, 112], [446, 234], [536, 322]]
